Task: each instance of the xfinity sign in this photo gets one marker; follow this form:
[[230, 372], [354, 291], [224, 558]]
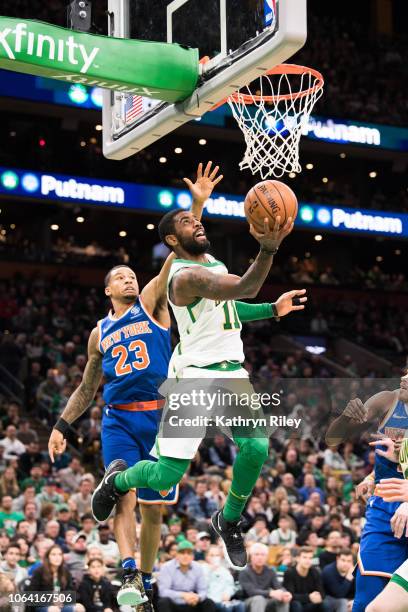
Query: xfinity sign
[[45, 46], [74, 190]]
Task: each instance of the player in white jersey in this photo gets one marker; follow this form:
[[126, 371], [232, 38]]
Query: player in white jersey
[[202, 295]]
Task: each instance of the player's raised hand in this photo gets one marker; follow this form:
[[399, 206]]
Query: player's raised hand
[[269, 238], [365, 489], [399, 522], [290, 301], [356, 411], [390, 451], [393, 489], [56, 444], [205, 182]]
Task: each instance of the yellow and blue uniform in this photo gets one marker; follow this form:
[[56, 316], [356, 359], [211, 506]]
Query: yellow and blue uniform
[[381, 553], [135, 358]]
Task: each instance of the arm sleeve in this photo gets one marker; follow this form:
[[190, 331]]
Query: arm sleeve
[[253, 312]]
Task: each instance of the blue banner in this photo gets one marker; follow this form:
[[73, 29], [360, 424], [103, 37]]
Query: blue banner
[[326, 129], [132, 196]]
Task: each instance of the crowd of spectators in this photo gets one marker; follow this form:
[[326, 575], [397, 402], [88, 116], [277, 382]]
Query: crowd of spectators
[[302, 525]]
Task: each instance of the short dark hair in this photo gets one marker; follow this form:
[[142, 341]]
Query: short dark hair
[[167, 225], [13, 545], [107, 277], [344, 551], [306, 550]]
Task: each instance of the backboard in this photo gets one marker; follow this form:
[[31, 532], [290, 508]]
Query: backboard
[[240, 39]]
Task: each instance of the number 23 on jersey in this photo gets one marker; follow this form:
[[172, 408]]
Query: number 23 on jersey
[[125, 363]]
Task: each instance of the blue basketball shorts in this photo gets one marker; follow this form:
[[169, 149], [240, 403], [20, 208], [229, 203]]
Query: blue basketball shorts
[[131, 436]]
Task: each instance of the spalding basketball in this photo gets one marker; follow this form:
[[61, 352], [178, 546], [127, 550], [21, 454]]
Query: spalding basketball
[[268, 200]]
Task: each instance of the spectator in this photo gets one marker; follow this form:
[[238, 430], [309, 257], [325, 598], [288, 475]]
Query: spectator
[[88, 528], [288, 483], [70, 477], [201, 507], [48, 390], [330, 552], [52, 531], [31, 457], [338, 580], [108, 546], [202, 546], [95, 592], [75, 559], [8, 483], [25, 433], [221, 587], [259, 533], [10, 565], [309, 487], [305, 584], [49, 494], [182, 585], [221, 452], [7, 587], [260, 583], [8, 517], [12, 446], [82, 499], [36, 479], [65, 520], [31, 518], [284, 535], [53, 576], [319, 324]]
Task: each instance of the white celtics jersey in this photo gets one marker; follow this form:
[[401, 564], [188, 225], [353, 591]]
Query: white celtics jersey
[[210, 331]]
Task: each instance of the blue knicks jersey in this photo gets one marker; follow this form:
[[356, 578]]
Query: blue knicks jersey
[[394, 426], [136, 354]]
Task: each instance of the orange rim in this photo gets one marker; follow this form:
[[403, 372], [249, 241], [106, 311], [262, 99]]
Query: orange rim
[[280, 69]]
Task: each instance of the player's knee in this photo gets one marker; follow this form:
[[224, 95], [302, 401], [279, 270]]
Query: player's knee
[[151, 514], [256, 450], [126, 503]]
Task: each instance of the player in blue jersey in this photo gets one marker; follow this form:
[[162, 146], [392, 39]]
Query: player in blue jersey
[[381, 552], [131, 348]]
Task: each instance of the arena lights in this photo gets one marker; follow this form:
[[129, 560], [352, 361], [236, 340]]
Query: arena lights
[[30, 182], [98, 127], [372, 174], [80, 219], [323, 216], [166, 198], [97, 96], [162, 160], [318, 237], [202, 141], [343, 155], [306, 214], [54, 227], [325, 179], [122, 234], [9, 180], [150, 226], [12, 226], [309, 166], [184, 199], [178, 150], [78, 94], [397, 252]]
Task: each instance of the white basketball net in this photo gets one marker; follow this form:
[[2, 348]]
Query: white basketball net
[[272, 128]]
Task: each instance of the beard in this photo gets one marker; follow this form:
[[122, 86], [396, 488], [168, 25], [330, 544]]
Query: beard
[[193, 247]]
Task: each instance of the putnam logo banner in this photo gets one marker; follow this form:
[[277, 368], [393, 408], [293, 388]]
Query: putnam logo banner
[[168, 72]]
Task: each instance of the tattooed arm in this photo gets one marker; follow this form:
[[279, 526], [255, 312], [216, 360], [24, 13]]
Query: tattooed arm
[[82, 396]]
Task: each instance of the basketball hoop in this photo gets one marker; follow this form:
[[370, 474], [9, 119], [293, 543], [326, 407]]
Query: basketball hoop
[[272, 118]]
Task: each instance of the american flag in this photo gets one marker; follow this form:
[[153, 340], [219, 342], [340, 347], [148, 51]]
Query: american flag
[[133, 107]]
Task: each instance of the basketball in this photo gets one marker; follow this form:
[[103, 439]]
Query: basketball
[[270, 199]]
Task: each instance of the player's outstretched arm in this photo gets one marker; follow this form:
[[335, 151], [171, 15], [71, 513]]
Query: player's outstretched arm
[[80, 399], [203, 187], [357, 417], [286, 303], [194, 282], [154, 294]]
